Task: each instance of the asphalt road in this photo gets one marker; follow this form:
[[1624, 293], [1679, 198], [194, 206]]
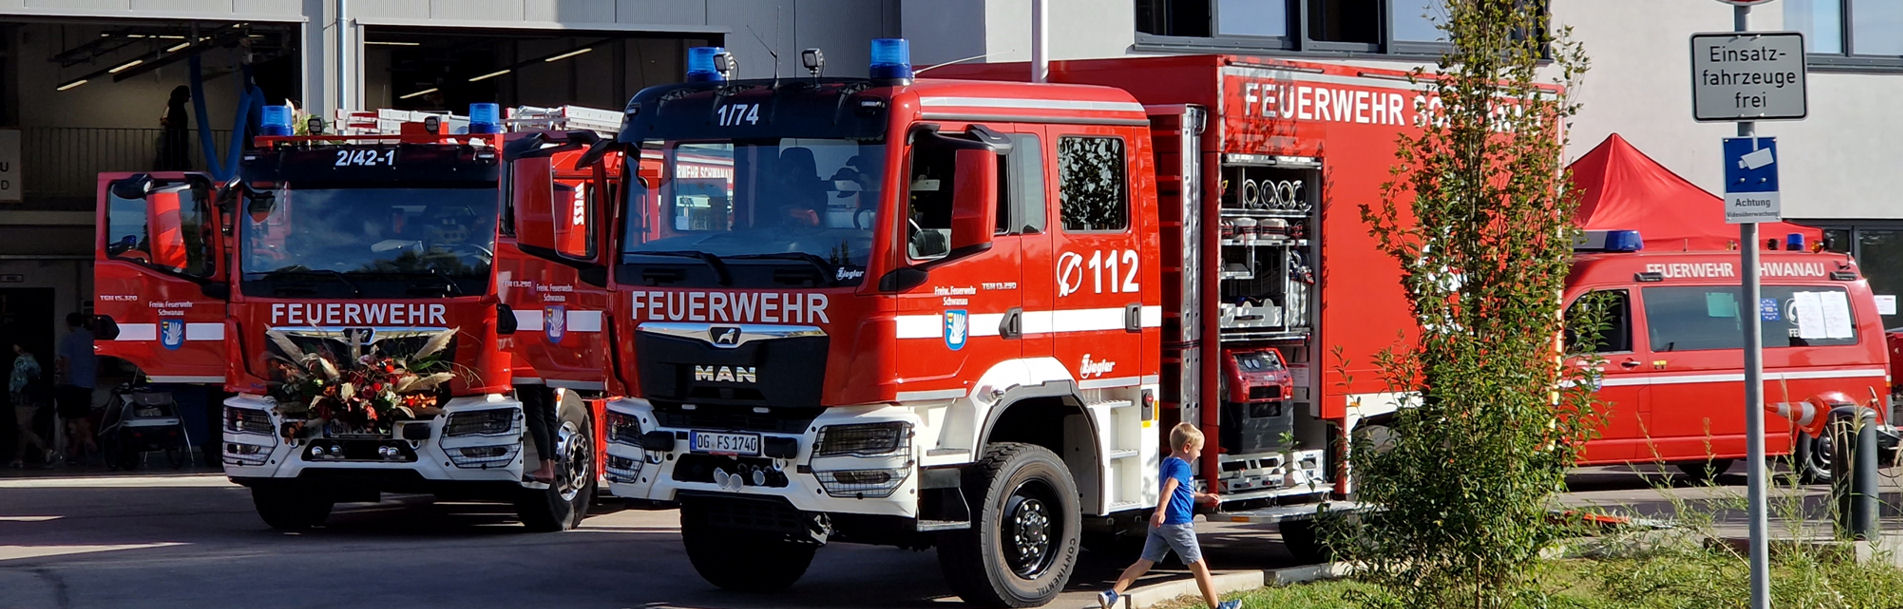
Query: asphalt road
[[193, 541]]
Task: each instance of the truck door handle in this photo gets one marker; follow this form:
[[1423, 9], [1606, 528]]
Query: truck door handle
[[1630, 363], [1133, 317], [1012, 326]]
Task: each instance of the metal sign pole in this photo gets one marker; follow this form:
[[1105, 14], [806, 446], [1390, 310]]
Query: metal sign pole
[[1753, 381]]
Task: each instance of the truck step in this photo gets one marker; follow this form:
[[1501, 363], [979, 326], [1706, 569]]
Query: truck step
[[943, 525], [1122, 506], [1300, 511], [1123, 454], [946, 452], [1111, 404]]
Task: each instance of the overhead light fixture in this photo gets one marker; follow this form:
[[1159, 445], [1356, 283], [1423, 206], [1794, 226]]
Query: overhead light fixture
[[70, 85], [122, 67], [175, 48], [490, 75], [170, 37], [422, 92], [393, 43], [568, 54]]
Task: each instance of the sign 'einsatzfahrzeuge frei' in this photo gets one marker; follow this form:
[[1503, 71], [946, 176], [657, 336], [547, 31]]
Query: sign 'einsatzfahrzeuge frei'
[[1748, 76]]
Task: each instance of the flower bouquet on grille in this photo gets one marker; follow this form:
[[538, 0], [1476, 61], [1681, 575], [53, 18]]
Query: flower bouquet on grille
[[360, 391]]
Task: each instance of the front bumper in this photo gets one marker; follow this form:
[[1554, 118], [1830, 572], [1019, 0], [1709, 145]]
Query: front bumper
[[251, 455], [635, 472]]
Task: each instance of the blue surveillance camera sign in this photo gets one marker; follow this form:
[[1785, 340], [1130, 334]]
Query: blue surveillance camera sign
[[1751, 180]]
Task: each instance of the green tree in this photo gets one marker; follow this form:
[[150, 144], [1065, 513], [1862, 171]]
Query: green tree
[[1477, 216]]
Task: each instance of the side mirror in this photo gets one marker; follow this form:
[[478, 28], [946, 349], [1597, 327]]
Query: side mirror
[[133, 187], [974, 201], [260, 203]]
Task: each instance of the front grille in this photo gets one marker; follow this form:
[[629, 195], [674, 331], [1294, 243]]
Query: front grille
[[1265, 392], [737, 418], [395, 345], [731, 513], [753, 471]]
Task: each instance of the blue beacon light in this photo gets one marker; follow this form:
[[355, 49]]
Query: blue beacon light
[[701, 64], [276, 121], [1794, 242], [1624, 241], [485, 117], [891, 60]]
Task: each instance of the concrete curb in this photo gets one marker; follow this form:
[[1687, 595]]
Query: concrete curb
[[1231, 581]]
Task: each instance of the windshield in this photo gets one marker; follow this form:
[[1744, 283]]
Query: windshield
[[755, 213], [369, 242]]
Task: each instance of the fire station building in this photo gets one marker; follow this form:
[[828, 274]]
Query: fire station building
[[84, 83]]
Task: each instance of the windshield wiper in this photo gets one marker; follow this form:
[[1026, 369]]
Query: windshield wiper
[[355, 292], [450, 286], [824, 266], [713, 262]]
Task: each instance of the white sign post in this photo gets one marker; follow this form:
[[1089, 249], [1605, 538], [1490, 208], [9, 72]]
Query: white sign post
[[1747, 76], [10, 166]]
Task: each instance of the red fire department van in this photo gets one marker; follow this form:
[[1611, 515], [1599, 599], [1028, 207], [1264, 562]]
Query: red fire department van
[[1673, 360], [349, 248], [964, 313]]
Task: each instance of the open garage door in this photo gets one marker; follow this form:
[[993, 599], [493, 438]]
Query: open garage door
[[412, 68]]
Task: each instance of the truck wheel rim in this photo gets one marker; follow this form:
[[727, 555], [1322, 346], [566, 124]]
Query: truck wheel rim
[[573, 460], [1028, 528]]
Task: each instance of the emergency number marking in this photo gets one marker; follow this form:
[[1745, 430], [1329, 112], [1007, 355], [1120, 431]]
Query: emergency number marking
[[1106, 267], [732, 114], [756, 307], [352, 313], [365, 158]]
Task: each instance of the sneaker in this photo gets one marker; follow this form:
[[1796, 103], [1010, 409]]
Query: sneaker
[[1107, 598], [1230, 604]]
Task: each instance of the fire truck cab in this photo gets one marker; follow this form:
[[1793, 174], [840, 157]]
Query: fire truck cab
[[373, 242]]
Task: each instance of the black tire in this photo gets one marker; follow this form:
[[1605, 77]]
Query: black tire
[[1302, 539], [291, 507], [1707, 470], [743, 561], [564, 503], [1374, 433], [178, 456], [1022, 498], [1811, 458]]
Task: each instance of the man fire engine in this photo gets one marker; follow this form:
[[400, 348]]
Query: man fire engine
[[961, 313], [342, 287]]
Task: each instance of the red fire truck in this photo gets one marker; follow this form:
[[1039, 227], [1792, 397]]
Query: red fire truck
[[371, 251], [963, 313]]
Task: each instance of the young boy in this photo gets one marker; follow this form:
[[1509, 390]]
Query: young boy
[[1170, 527]]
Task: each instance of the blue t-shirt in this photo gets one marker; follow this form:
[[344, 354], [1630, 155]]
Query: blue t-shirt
[[1183, 500], [77, 347]]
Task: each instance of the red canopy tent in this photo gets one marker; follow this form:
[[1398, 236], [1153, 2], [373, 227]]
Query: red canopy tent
[[1621, 188]]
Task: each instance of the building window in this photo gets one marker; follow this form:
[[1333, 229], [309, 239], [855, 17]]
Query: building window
[[1395, 27], [1849, 33]]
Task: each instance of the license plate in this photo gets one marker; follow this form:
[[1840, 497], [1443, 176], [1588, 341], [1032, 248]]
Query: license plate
[[724, 443], [148, 412]]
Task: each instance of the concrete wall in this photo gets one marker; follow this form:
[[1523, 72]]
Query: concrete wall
[[942, 31], [1840, 163]]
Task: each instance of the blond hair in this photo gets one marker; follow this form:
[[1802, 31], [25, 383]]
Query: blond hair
[[1183, 435]]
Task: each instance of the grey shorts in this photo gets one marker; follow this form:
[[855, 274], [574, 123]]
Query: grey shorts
[[1180, 538]]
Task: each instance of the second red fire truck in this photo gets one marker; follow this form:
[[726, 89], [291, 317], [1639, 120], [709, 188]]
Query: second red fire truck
[[342, 287], [962, 314]]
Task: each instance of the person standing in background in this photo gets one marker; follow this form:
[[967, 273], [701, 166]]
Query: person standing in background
[[174, 147], [25, 388], [78, 369]]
